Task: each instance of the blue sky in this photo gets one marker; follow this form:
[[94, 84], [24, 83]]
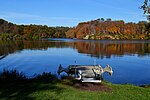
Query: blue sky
[[69, 12]]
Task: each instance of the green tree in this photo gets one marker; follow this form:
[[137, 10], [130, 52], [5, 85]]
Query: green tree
[[146, 8]]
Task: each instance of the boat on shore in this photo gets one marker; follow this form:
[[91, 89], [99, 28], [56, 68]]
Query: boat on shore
[[86, 73]]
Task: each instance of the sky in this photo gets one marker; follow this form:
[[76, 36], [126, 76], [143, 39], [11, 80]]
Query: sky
[[69, 12]]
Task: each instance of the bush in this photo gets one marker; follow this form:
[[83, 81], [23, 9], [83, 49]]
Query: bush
[[12, 75], [46, 77], [15, 75]]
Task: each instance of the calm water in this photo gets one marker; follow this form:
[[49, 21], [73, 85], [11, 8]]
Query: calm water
[[130, 60]]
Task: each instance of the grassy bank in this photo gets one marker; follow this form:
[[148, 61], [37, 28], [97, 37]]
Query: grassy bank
[[30, 90], [47, 88]]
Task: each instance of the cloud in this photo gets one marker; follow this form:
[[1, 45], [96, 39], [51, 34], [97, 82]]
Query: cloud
[[24, 18], [14, 15], [135, 15]]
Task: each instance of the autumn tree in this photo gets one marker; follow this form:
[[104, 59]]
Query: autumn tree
[[30, 32]]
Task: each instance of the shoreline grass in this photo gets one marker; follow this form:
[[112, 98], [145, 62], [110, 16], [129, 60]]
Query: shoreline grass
[[48, 88]]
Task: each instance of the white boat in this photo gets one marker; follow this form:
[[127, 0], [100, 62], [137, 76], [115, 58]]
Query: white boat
[[86, 73]]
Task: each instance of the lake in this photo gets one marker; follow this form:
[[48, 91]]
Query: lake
[[130, 60]]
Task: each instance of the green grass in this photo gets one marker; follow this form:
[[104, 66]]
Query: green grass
[[15, 86], [40, 90]]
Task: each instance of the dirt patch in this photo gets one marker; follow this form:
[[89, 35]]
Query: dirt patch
[[97, 87], [92, 87]]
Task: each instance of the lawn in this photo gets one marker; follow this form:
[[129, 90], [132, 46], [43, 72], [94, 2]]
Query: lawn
[[58, 90], [16, 86]]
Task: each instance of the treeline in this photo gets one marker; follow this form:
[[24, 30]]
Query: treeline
[[108, 29], [10, 31], [95, 29]]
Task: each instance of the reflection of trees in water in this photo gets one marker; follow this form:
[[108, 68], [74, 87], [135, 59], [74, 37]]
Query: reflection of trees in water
[[7, 47], [96, 49], [99, 49], [3, 56]]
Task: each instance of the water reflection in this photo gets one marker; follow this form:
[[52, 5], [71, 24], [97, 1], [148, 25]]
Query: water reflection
[[129, 59], [92, 48], [102, 49], [3, 56]]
